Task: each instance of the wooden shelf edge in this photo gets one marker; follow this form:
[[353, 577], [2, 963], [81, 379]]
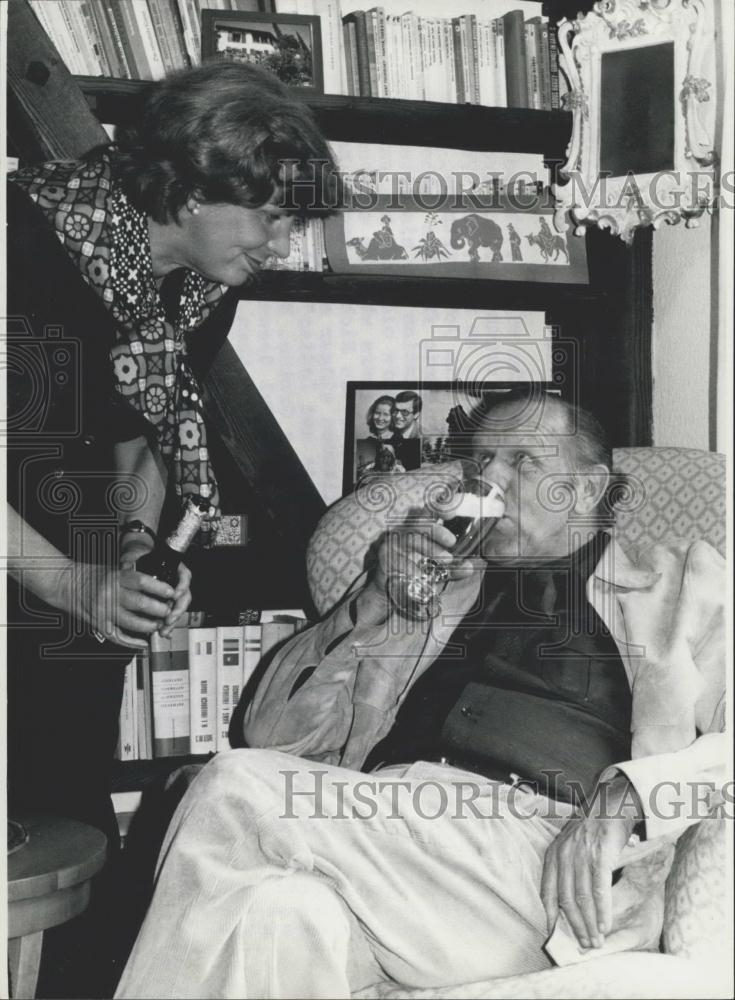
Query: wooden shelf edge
[[389, 120]]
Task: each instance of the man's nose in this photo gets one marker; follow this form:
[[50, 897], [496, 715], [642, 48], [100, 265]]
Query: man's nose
[[280, 241], [497, 470]]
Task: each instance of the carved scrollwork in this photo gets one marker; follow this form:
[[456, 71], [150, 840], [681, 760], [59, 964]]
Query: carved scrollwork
[[630, 199]]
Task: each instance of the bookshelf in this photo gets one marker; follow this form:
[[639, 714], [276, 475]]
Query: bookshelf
[[609, 321]]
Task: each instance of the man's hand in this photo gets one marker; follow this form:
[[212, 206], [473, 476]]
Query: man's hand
[[402, 550], [579, 864]]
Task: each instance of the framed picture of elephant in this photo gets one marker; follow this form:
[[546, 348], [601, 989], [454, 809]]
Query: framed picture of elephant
[[502, 236]]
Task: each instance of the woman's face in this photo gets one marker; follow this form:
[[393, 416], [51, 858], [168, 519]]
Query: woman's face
[[382, 416], [230, 243]]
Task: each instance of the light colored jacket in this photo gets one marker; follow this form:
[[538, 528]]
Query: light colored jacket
[[664, 607]]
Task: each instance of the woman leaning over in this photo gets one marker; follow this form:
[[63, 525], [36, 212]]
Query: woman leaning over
[[121, 278]]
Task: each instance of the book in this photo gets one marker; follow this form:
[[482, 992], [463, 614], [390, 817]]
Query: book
[[554, 69], [145, 705], [501, 80], [469, 24], [515, 59], [333, 52], [252, 636], [359, 19], [486, 64], [76, 22], [112, 51], [170, 693], [127, 744], [151, 49], [349, 37], [229, 650], [532, 54], [203, 689], [370, 23], [191, 27], [169, 33], [412, 56], [459, 68]]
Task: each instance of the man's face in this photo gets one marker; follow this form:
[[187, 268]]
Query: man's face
[[403, 416], [533, 468]]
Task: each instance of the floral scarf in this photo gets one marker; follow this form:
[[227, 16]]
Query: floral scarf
[[107, 238]]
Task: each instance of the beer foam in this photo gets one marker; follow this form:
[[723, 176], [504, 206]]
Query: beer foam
[[474, 506]]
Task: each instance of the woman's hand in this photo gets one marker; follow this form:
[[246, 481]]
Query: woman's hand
[[133, 548], [121, 604]]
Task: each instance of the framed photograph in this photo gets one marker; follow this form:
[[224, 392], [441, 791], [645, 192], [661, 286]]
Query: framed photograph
[[642, 97], [393, 427], [289, 45]]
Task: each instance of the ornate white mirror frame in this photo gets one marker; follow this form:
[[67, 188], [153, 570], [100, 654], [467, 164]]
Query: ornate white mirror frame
[[680, 188]]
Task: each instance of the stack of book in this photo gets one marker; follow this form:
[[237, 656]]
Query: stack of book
[[504, 61], [308, 250], [179, 696]]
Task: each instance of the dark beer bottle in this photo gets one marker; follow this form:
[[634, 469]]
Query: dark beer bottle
[[163, 560]]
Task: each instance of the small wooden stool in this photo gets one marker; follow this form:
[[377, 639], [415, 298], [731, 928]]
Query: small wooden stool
[[48, 883]]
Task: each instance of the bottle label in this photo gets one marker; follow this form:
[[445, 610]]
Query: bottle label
[[183, 534]]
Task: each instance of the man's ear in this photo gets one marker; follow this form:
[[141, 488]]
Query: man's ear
[[591, 484]]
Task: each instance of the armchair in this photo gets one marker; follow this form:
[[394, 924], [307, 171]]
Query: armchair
[[671, 493]]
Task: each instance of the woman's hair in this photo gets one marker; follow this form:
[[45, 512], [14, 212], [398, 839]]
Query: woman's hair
[[221, 132], [388, 400]]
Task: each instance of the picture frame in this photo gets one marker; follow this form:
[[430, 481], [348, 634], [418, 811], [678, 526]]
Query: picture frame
[[642, 101], [445, 423], [501, 236], [290, 45]]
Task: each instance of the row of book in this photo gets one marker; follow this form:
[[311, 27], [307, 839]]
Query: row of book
[[502, 62], [129, 39], [179, 695], [307, 250]]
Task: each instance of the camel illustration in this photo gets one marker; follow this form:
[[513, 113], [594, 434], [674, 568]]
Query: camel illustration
[[381, 247], [549, 245]]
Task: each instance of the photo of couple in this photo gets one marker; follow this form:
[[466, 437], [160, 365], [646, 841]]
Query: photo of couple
[[393, 443]]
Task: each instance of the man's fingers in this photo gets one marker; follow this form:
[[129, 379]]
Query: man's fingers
[[584, 892], [567, 890], [133, 623], [135, 580], [141, 604], [549, 879], [602, 886]]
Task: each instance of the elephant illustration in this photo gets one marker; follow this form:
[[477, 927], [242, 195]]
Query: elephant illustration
[[477, 232], [381, 247]]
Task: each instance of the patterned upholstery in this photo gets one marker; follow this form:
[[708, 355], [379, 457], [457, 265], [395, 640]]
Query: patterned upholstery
[[670, 493]]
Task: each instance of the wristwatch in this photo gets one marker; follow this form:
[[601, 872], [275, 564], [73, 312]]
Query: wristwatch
[[138, 527]]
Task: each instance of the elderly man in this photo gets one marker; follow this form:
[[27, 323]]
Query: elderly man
[[296, 871]]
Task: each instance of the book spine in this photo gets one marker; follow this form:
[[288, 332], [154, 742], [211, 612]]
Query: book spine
[[408, 58], [131, 39], [459, 74], [53, 22], [75, 21], [515, 59], [167, 31], [363, 53], [544, 65], [202, 689], [450, 76], [350, 43], [121, 50], [554, 68], [95, 38], [486, 66], [418, 63], [333, 57], [372, 57], [128, 741], [252, 646], [145, 702], [170, 693], [474, 35], [381, 61], [112, 51], [534, 94], [229, 679], [501, 76], [191, 27], [148, 39]]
